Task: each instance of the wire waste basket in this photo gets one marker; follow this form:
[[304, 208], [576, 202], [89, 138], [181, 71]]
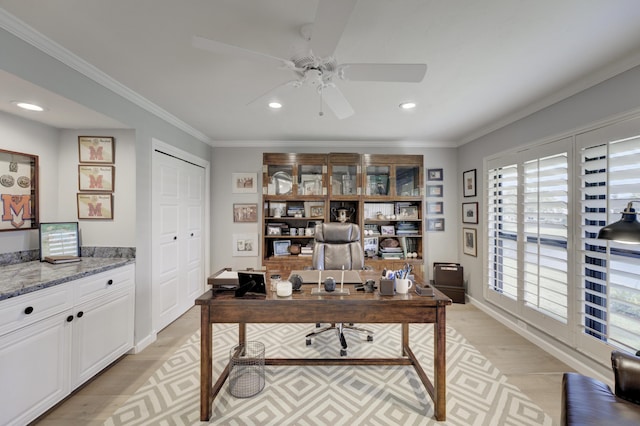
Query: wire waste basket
[[246, 369]]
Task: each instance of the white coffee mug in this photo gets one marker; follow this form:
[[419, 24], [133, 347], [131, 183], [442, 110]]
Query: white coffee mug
[[284, 288], [403, 285], [293, 231]]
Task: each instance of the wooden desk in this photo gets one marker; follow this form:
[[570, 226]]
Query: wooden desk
[[303, 307]]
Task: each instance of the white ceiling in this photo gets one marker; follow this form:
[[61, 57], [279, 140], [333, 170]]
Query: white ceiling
[[489, 62]]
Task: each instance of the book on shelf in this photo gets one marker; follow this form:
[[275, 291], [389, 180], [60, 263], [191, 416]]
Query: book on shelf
[[62, 259]]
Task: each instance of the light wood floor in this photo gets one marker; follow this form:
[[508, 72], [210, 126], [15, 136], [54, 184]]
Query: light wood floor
[[535, 372]]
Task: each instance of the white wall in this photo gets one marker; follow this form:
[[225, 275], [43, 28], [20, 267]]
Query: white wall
[[439, 246]]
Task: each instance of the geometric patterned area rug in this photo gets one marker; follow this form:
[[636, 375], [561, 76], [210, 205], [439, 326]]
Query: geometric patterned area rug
[[477, 392]]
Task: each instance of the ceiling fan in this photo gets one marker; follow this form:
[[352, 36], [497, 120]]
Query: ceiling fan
[[317, 67]]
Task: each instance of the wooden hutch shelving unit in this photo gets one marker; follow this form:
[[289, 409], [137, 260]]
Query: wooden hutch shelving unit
[[383, 194]]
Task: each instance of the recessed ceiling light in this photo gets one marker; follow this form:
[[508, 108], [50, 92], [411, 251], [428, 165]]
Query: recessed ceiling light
[[275, 105], [408, 105], [28, 106]]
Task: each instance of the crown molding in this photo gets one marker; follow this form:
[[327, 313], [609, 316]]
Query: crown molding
[[28, 34]]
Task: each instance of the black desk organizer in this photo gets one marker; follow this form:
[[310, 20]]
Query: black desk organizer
[[448, 278]]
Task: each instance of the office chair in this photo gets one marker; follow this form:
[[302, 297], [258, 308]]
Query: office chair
[[337, 246]]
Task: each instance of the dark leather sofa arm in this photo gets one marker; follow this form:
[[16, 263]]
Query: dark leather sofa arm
[[626, 370], [587, 401]]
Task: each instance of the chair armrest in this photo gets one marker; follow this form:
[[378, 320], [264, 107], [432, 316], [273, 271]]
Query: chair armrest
[[626, 370]]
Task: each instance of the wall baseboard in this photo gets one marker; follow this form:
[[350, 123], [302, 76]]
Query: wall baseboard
[[142, 344], [545, 345]]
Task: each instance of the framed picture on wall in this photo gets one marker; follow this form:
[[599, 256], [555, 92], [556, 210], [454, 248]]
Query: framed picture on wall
[[434, 191], [470, 212], [245, 212], [244, 183], [245, 245], [96, 178], [469, 183], [434, 174], [435, 225], [470, 242], [19, 184], [435, 207], [95, 206], [96, 149]]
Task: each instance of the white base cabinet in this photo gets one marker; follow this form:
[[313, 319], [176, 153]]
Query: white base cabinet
[[47, 351]]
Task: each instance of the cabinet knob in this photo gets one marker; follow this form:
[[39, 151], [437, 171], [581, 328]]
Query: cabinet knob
[[192, 234], [80, 314], [70, 318], [109, 282], [175, 238], [28, 310]]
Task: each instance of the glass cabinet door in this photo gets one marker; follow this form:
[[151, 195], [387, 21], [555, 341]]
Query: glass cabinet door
[[377, 180], [344, 180], [279, 179], [408, 181], [310, 179]]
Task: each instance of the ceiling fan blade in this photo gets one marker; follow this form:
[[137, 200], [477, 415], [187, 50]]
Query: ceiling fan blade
[[410, 73], [335, 100], [330, 21], [275, 93], [229, 49]]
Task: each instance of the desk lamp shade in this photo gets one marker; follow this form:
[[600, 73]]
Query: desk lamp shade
[[626, 230]]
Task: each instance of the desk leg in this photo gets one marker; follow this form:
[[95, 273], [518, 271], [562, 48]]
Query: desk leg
[[440, 364], [206, 363], [242, 333], [405, 338]]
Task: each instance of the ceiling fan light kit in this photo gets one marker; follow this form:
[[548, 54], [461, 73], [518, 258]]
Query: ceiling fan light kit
[[317, 67]]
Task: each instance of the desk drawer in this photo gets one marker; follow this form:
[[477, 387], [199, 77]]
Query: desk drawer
[[26, 309]]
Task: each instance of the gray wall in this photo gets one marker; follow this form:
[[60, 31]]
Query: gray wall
[[439, 246], [611, 98]]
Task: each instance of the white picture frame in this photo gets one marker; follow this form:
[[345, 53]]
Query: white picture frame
[[245, 245], [244, 183]]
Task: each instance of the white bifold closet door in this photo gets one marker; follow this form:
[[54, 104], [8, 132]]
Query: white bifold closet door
[[178, 214]]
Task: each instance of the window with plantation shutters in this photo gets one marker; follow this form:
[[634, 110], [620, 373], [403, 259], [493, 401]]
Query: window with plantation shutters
[[544, 263], [609, 272], [545, 233], [527, 234], [502, 230]]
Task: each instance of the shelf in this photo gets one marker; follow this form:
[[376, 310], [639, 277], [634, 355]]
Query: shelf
[[329, 183]]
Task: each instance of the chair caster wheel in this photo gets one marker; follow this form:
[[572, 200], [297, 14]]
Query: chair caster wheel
[[369, 338], [308, 342], [343, 352]]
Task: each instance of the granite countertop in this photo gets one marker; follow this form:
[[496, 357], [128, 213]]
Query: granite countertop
[[23, 278]]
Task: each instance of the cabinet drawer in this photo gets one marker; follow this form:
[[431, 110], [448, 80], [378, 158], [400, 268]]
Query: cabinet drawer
[[100, 284], [24, 310]]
